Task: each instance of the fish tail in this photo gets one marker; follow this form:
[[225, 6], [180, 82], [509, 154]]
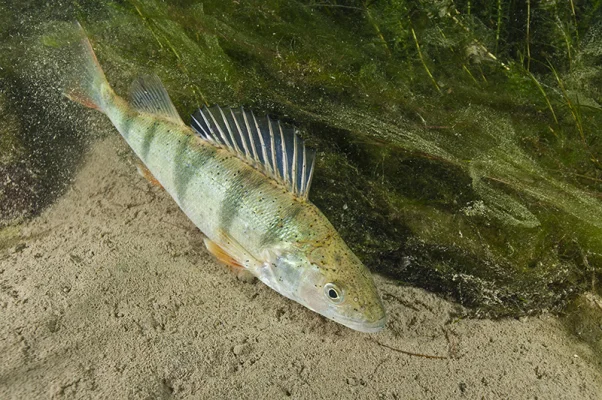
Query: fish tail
[[88, 87]]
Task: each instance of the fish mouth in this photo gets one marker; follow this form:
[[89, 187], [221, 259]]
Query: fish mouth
[[363, 326]]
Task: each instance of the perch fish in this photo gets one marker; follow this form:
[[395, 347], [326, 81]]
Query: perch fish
[[244, 182]]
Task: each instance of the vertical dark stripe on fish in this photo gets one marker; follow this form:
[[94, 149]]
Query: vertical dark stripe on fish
[[149, 135], [278, 223], [236, 193], [126, 126], [182, 170], [187, 163]]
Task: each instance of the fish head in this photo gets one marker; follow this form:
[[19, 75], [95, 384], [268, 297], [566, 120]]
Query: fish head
[[329, 279]]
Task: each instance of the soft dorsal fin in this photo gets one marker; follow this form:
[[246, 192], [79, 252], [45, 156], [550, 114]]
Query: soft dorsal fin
[[147, 94], [262, 142]]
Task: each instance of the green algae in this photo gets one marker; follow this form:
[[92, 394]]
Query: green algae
[[458, 150]]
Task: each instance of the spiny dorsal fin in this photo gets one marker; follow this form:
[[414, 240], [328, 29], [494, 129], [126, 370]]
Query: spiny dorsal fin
[[147, 94], [262, 142]]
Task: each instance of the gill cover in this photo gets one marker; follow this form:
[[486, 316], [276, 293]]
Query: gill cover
[[351, 302]]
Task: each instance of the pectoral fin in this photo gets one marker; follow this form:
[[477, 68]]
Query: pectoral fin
[[231, 253]]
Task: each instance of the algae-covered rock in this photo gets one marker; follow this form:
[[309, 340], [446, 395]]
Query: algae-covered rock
[[458, 142]]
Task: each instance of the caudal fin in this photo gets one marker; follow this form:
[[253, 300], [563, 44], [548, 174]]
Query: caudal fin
[[87, 86]]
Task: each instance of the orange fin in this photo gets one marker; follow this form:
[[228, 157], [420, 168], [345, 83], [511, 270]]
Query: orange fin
[[221, 255], [231, 253], [142, 170]]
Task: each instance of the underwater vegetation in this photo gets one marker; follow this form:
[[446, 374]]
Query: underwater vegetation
[[459, 145]]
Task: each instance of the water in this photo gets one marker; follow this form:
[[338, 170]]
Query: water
[[458, 155]]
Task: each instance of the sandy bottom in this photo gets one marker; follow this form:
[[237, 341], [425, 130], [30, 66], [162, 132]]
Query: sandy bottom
[[111, 294]]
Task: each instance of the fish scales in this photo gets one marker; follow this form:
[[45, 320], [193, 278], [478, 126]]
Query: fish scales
[[216, 190], [243, 182]]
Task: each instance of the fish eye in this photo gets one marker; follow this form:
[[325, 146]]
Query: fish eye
[[333, 293]]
